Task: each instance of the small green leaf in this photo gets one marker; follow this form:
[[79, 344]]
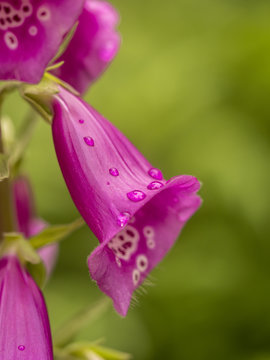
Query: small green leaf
[[55, 233], [110, 354], [91, 351], [4, 168]]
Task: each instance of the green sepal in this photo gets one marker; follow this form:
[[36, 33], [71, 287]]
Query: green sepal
[[55, 66], [16, 244], [59, 81], [38, 272], [40, 96], [65, 43], [55, 233], [4, 168]]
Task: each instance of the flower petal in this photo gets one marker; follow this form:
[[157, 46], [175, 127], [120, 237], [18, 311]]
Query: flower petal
[[93, 46], [117, 192], [31, 33], [24, 324]]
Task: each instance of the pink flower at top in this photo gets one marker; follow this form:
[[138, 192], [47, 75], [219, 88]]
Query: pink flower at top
[[93, 46], [135, 213], [31, 32], [24, 325]]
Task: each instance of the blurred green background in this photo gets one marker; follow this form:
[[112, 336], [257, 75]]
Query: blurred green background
[[190, 87]]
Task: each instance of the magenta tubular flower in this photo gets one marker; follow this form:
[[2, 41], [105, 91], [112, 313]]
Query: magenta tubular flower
[[24, 324], [28, 223], [31, 33], [93, 46], [135, 213]]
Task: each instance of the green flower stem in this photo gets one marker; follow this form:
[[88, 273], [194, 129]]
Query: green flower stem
[[6, 201]]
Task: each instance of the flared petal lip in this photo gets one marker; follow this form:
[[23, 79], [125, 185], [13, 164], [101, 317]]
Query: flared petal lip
[[188, 183]]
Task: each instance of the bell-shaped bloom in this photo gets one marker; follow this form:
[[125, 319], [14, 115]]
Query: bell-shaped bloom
[[31, 32], [24, 324], [28, 222], [93, 46], [134, 212]]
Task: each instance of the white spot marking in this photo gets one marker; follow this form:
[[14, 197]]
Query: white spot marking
[[148, 231], [135, 277], [43, 13], [11, 40], [125, 243], [150, 242], [142, 263], [11, 17], [33, 30]]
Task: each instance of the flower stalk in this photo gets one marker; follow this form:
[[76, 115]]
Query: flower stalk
[[6, 203]]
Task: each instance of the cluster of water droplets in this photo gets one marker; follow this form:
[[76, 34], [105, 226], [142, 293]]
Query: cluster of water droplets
[[11, 17]]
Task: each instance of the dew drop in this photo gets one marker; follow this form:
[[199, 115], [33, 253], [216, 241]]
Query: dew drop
[[89, 141], [114, 172], [155, 174], [123, 219], [81, 121], [155, 185], [136, 195], [21, 347]]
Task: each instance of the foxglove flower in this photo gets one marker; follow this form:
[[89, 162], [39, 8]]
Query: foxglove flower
[[28, 223], [134, 212], [24, 324], [31, 33], [93, 46]]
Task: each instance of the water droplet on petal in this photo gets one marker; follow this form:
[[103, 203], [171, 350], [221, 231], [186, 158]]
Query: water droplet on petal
[[123, 219], [81, 121], [21, 347], [113, 171], [155, 185], [136, 195], [155, 174], [89, 141]]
